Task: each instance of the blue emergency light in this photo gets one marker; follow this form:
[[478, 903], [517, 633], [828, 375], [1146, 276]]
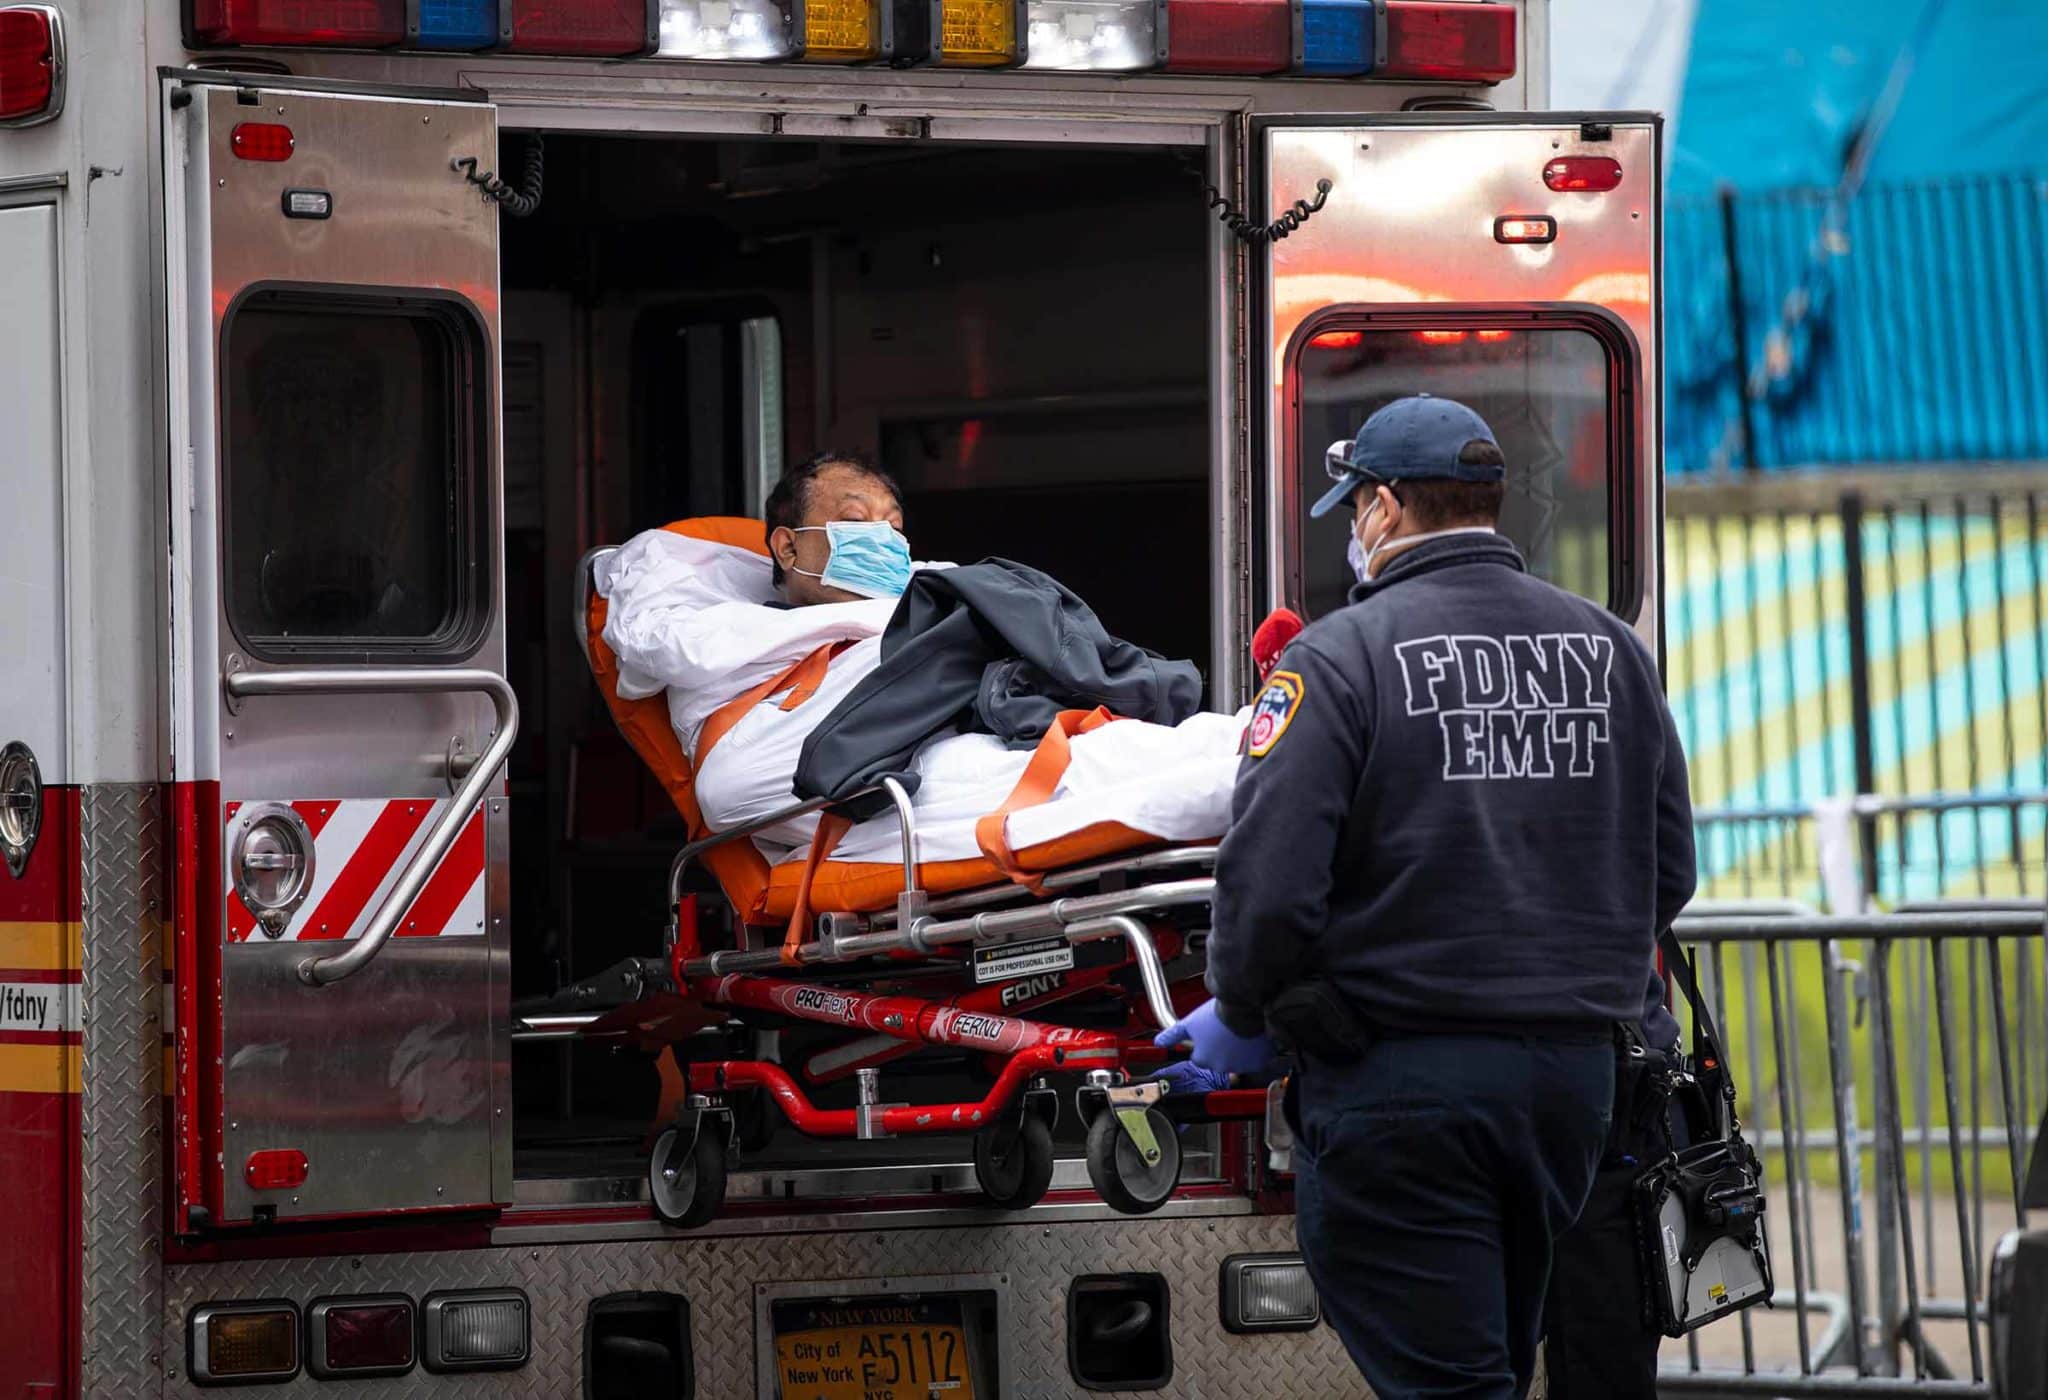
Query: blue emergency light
[[454, 24], [1334, 38]]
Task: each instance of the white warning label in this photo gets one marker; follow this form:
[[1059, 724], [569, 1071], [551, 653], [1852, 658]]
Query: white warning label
[[38, 1006], [1026, 959]]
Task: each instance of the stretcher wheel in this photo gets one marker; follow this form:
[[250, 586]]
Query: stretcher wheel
[[689, 1192], [1121, 1175], [1013, 1162]]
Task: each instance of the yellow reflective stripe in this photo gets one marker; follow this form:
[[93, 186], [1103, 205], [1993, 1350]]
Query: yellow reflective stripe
[[39, 1069], [40, 947]]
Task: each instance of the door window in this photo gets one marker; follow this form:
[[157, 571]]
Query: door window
[[1553, 393], [355, 482]]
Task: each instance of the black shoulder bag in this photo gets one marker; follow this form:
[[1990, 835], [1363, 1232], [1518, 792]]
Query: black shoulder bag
[[1699, 1211]]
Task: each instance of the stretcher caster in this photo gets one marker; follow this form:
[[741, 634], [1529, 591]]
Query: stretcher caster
[[1013, 1162], [686, 1169], [1133, 1154]]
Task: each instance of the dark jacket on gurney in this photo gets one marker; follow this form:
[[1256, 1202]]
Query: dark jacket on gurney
[[990, 648]]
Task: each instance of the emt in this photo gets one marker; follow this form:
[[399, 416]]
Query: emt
[[1461, 818]]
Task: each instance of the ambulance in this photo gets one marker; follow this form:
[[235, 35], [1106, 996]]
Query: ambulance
[[335, 333]]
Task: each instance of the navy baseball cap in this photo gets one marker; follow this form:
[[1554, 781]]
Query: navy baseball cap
[[1412, 439]]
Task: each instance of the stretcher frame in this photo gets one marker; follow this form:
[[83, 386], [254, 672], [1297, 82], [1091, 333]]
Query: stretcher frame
[[1133, 1149]]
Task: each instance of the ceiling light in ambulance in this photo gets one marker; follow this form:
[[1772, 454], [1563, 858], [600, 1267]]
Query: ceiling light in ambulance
[[453, 24], [1588, 173], [1464, 43], [722, 30], [979, 34], [31, 65], [354, 24], [1244, 37], [1100, 36], [1334, 38], [585, 28]]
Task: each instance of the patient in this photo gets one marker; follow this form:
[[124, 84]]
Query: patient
[[754, 653], [865, 556]]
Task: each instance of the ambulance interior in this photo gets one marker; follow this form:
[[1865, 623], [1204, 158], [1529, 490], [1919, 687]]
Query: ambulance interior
[[1020, 338]]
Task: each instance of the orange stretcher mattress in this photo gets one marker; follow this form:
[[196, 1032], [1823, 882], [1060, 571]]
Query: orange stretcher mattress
[[765, 894]]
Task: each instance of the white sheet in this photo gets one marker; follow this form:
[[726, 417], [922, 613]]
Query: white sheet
[[693, 617]]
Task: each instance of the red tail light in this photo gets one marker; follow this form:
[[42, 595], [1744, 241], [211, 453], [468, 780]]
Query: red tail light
[[261, 141], [585, 28], [1568, 173], [275, 1169], [31, 65], [356, 24], [1461, 42], [1229, 36]]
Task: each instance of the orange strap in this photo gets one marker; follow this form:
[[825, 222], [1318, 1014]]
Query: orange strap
[[802, 681], [831, 827], [1040, 780]]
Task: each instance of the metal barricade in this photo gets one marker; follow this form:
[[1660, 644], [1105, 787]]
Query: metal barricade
[[1883, 1061]]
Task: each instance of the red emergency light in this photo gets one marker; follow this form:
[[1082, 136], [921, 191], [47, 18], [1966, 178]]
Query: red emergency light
[[585, 28], [262, 141], [31, 65], [354, 24], [1589, 173], [1525, 228], [1442, 337], [1462, 43], [1338, 340], [1229, 36]]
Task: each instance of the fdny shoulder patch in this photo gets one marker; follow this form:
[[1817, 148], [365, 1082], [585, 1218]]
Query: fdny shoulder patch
[[1273, 712]]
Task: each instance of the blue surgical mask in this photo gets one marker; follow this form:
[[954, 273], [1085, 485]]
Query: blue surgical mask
[[869, 557]]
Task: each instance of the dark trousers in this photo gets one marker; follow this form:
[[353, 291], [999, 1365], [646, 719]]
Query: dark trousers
[[1433, 1175], [1597, 1343]]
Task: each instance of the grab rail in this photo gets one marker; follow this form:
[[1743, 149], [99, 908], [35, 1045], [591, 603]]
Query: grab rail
[[243, 685]]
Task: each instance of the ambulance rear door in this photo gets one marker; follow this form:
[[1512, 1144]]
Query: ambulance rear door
[[1508, 260], [340, 716]]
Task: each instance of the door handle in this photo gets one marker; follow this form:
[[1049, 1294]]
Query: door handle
[[393, 680]]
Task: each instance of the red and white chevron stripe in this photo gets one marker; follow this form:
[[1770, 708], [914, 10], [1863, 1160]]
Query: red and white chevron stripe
[[359, 849]]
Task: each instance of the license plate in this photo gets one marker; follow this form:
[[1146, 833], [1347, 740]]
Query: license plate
[[913, 1349]]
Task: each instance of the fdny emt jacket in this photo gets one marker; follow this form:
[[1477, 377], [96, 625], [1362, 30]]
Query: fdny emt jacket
[[1463, 802]]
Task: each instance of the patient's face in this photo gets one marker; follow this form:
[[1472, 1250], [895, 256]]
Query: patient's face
[[837, 493]]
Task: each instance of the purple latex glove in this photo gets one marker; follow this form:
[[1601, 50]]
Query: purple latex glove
[[1216, 1046], [1187, 1077]]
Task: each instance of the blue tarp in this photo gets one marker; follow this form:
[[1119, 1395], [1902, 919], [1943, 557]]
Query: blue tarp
[[1775, 91]]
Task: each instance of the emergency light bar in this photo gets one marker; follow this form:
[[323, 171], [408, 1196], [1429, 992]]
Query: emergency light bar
[[1469, 41], [727, 30], [455, 25], [1240, 37], [584, 28], [355, 24], [1096, 36], [1460, 43]]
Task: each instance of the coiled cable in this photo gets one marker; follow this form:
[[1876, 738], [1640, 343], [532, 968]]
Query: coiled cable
[[518, 202], [1256, 233]]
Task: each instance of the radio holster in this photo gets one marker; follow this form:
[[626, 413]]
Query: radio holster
[[1315, 1019], [1699, 1211]]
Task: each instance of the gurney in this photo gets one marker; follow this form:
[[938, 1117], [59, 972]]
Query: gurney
[[907, 955]]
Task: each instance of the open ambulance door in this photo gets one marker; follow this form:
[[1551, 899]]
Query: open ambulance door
[[1507, 260], [339, 713]]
